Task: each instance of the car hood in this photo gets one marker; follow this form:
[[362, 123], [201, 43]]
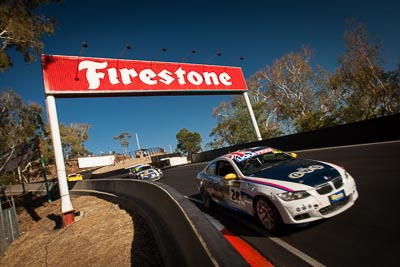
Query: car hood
[[303, 171]]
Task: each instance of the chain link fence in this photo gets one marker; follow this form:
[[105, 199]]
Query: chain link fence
[[9, 227]]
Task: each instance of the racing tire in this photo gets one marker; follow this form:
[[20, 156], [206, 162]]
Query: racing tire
[[207, 201], [268, 215]]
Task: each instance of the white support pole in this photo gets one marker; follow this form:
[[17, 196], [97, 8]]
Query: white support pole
[[137, 141], [66, 206], [253, 118]]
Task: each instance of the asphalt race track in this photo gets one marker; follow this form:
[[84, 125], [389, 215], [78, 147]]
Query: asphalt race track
[[365, 235]]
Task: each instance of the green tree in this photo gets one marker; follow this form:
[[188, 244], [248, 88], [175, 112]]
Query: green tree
[[366, 88], [392, 103], [287, 97], [123, 139], [22, 29], [46, 146], [73, 137], [299, 94], [188, 142], [19, 123], [234, 125]]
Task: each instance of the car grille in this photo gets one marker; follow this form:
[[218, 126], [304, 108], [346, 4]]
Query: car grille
[[337, 182], [335, 206], [328, 187], [324, 189]]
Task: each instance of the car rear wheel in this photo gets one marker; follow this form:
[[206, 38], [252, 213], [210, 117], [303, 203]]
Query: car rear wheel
[[268, 215], [207, 201]]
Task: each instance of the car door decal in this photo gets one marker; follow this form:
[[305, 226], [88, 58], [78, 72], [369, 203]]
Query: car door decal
[[255, 181]]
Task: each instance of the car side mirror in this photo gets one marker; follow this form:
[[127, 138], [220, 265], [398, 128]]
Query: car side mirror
[[294, 155], [230, 176]]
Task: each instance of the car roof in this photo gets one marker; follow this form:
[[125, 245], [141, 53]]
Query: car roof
[[251, 149], [147, 170], [248, 151], [137, 165]]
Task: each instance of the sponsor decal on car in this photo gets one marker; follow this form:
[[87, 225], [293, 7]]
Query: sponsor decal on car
[[337, 196], [240, 156], [303, 171]]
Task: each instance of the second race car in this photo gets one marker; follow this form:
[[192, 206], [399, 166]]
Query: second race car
[[144, 172]]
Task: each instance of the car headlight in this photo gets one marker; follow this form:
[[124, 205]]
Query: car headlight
[[289, 196], [346, 174]]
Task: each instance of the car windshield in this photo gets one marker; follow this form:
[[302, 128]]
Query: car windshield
[[144, 168], [140, 168], [261, 162]]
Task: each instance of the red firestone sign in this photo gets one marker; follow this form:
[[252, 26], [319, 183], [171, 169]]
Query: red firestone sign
[[68, 76]]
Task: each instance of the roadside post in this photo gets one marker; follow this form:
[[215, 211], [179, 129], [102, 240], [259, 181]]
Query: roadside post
[[67, 211], [253, 118]]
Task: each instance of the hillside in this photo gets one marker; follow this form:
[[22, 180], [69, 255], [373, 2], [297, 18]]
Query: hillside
[[102, 235]]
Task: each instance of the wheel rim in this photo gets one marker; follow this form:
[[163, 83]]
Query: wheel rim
[[266, 214]]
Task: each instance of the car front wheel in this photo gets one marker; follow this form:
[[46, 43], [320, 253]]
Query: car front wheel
[[207, 201], [268, 215]]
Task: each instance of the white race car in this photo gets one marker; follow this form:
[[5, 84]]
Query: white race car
[[145, 172], [277, 187]]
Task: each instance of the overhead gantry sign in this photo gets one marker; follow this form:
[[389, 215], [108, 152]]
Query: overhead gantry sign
[[73, 76], [77, 76]]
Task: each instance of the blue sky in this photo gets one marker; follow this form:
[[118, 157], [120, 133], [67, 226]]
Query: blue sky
[[259, 31]]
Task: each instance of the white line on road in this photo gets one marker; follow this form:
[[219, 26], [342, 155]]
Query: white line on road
[[298, 253]]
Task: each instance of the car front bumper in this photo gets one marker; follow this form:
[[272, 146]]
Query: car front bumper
[[317, 206]]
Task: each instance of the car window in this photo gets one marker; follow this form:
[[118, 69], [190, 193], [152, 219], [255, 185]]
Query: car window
[[211, 169], [224, 168], [144, 168]]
